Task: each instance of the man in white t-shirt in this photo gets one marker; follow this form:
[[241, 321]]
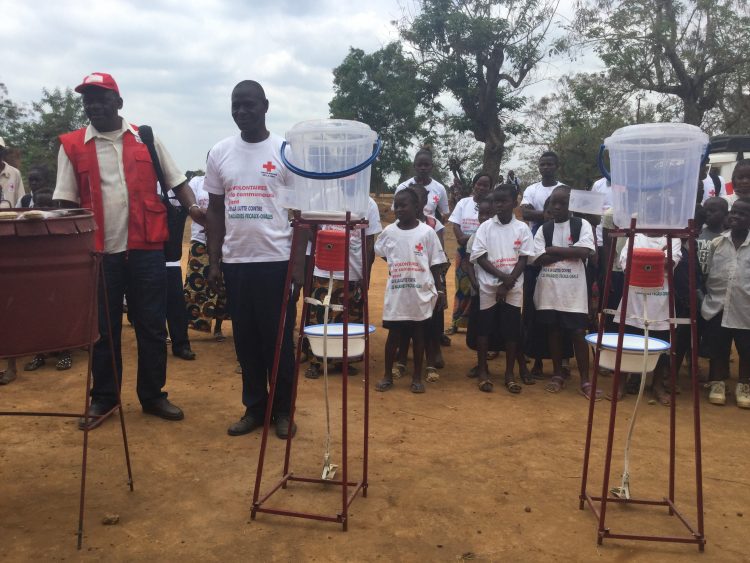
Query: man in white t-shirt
[[534, 196], [11, 184], [437, 197], [250, 242]]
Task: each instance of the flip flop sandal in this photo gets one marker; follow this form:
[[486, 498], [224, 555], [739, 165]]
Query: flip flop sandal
[[528, 379], [34, 364], [417, 387], [513, 386], [556, 384], [398, 371], [431, 375], [65, 362], [585, 390], [312, 372], [384, 385], [662, 395], [486, 386], [473, 372], [219, 336]]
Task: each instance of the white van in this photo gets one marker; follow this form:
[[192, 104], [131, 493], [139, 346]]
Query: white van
[[724, 153]]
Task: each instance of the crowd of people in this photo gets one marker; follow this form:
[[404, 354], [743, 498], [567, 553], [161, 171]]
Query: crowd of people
[[528, 271]]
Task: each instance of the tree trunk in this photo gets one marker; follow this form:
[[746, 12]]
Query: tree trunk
[[692, 113], [494, 150]]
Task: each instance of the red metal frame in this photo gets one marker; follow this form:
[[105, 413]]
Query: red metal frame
[[349, 489], [696, 535], [92, 320]]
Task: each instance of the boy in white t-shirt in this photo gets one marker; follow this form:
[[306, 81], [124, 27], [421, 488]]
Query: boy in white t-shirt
[[500, 250], [534, 196], [561, 294], [415, 260]]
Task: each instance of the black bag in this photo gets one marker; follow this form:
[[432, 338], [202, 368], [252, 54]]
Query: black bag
[[176, 215]]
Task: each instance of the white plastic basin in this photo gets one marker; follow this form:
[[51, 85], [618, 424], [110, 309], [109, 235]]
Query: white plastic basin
[[356, 348], [632, 351]]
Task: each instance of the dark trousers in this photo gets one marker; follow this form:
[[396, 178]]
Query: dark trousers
[[177, 316], [255, 292], [141, 276]]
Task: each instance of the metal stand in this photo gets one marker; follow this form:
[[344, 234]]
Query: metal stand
[[92, 316], [349, 489], [696, 535]]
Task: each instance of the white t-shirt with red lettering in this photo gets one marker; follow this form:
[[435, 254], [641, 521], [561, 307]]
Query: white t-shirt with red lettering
[[562, 286], [355, 244], [466, 215], [437, 197], [503, 243], [255, 185], [410, 294], [198, 233]]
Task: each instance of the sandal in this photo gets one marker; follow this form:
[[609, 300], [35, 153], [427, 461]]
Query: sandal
[[313, 371], [585, 390], [486, 386], [556, 384], [219, 336], [473, 372], [537, 373], [492, 355], [662, 395], [417, 387], [35, 364], [512, 385], [528, 378], [431, 375], [398, 371], [65, 361], [384, 385]]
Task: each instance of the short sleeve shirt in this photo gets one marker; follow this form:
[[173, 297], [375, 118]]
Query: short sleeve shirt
[[11, 185], [437, 197], [466, 215]]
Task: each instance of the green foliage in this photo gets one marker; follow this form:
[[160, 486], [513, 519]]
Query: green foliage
[[688, 49], [575, 119], [34, 132], [383, 89], [481, 52]]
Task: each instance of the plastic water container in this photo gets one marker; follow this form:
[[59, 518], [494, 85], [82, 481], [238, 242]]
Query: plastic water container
[[330, 250], [332, 158], [654, 173], [647, 268]]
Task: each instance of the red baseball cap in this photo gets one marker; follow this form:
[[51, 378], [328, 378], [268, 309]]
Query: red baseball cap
[[98, 80]]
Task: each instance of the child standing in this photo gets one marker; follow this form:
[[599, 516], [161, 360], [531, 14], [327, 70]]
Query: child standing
[[716, 210], [414, 288], [561, 297], [740, 182], [726, 307], [501, 248]]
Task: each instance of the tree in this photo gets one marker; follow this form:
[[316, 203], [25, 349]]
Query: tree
[[11, 117], [56, 112], [575, 119], [383, 89], [683, 48], [482, 52]]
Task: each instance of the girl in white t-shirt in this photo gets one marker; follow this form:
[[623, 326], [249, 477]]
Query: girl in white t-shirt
[[415, 259], [434, 327], [561, 295], [465, 220]]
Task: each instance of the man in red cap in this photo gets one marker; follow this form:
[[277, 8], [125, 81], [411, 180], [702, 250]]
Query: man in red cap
[[105, 167]]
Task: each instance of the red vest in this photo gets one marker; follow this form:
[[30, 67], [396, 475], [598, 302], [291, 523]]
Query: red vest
[[147, 216]]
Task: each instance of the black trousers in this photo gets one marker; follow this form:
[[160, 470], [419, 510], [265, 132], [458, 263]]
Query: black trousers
[[177, 316], [141, 275], [255, 291]]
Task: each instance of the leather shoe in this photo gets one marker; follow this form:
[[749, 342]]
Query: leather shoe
[[283, 428], [96, 411], [245, 425], [185, 354], [164, 409]]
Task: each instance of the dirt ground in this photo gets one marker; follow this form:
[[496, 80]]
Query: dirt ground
[[455, 474]]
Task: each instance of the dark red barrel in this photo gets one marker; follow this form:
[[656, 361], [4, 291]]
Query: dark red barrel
[[47, 283], [330, 250]]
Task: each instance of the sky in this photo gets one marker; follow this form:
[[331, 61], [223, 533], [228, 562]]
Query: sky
[[176, 61]]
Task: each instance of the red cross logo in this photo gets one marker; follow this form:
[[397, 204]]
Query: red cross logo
[[517, 242], [269, 167], [419, 247], [436, 198]]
